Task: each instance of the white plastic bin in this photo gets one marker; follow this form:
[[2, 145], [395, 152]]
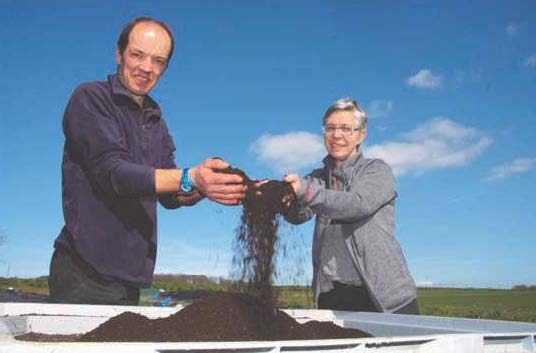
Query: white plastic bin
[[394, 333]]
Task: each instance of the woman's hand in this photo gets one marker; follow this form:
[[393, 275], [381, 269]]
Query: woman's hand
[[294, 181]]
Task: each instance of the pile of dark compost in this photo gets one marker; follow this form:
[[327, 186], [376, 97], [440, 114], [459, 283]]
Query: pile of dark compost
[[217, 317]]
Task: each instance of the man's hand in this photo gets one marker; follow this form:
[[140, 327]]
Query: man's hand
[[226, 189], [294, 181]]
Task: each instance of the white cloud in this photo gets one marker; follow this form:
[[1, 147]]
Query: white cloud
[[519, 165], [379, 108], [425, 79], [512, 29], [289, 153], [437, 143], [441, 128], [531, 61]]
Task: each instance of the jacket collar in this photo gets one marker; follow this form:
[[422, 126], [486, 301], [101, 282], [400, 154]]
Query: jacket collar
[[347, 166], [149, 105]]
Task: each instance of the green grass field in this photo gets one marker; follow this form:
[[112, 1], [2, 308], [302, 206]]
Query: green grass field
[[496, 304]]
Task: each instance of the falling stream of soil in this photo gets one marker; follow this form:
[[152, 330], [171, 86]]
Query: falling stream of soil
[[243, 316], [256, 236]]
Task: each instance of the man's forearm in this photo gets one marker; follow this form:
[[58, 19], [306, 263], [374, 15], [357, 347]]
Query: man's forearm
[[208, 178], [169, 180]]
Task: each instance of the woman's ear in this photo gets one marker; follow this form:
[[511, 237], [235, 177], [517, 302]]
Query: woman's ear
[[362, 136]]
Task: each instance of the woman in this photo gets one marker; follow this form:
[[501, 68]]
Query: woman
[[357, 262]]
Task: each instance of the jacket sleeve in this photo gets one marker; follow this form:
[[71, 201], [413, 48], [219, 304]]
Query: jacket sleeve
[[89, 125], [168, 151], [171, 200], [374, 188]]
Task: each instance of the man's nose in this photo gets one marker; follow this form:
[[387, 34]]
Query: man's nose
[[146, 64]]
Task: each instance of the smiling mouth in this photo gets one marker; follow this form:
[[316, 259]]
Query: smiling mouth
[[142, 79]]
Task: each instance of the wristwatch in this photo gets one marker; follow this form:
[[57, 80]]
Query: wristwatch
[[187, 185]]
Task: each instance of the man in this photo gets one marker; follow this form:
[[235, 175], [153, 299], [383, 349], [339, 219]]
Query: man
[[357, 262], [118, 162]]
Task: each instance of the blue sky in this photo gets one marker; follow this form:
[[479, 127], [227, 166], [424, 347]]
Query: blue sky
[[449, 87]]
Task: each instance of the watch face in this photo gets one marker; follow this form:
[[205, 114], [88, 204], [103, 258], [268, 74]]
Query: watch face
[[186, 187], [186, 183]]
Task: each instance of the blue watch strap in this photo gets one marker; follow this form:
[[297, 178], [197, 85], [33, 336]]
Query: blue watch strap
[[187, 184]]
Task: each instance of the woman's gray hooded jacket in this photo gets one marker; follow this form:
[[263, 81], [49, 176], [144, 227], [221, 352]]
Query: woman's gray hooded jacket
[[364, 212]]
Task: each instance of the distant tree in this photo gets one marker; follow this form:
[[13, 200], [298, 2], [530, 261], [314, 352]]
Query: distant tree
[[524, 287]]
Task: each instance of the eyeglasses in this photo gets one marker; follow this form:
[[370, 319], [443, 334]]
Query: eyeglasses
[[346, 130]]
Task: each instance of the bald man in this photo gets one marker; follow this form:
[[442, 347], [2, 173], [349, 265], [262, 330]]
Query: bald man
[[118, 161]]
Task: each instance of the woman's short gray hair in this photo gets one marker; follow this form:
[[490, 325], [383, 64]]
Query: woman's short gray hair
[[350, 105]]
